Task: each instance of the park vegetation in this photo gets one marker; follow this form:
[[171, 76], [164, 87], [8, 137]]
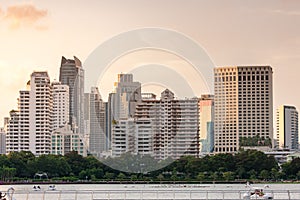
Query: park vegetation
[[244, 165]]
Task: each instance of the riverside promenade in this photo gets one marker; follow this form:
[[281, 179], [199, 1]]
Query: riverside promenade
[[153, 194]]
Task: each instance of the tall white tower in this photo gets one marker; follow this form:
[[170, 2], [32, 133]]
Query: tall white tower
[[30, 126], [40, 113], [60, 105]]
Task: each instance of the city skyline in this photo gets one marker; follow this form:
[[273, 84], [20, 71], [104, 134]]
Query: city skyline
[[232, 33]]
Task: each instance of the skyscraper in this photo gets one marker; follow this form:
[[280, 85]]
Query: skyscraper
[[94, 120], [121, 103], [72, 74], [243, 106], [125, 96], [287, 127], [60, 105], [30, 126]]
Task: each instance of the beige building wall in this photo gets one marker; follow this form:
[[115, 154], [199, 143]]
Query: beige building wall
[[243, 105]]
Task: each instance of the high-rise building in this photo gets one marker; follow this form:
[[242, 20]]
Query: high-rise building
[[124, 98], [109, 119], [163, 128], [122, 137], [107, 125], [3, 132], [30, 127], [72, 74], [13, 137], [143, 137], [206, 108], [94, 120], [40, 113], [60, 105], [121, 103], [243, 106], [2, 141], [174, 125], [287, 127], [132, 135]]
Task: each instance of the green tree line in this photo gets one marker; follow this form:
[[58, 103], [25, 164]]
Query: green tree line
[[244, 165]]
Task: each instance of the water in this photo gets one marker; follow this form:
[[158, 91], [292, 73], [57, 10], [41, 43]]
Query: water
[[148, 191]]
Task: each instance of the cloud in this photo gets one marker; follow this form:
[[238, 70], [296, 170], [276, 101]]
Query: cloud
[[24, 15], [286, 12]]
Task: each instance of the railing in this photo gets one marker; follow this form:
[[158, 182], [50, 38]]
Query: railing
[[146, 195]]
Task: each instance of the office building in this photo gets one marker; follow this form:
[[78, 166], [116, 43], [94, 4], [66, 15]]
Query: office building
[[243, 106], [72, 74], [94, 120], [121, 103], [287, 127], [123, 99]]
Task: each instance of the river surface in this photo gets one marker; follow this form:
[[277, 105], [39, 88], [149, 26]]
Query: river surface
[[148, 191]]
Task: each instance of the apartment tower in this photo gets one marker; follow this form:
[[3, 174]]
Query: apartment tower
[[170, 125], [30, 127], [60, 113]]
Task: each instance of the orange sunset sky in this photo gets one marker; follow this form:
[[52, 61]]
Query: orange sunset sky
[[35, 34]]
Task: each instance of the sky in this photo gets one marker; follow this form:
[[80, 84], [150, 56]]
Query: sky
[[35, 34]]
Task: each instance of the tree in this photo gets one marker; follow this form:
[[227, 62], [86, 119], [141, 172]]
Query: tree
[[121, 176], [228, 176], [274, 174], [252, 174], [254, 160], [53, 165], [83, 175], [96, 172], [92, 162], [160, 177], [76, 162], [7, 173], [109, 175], [21, 162], [298, 175], [4, 160], [214, 176], [264, 174], [133, 177], [201, 176]]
